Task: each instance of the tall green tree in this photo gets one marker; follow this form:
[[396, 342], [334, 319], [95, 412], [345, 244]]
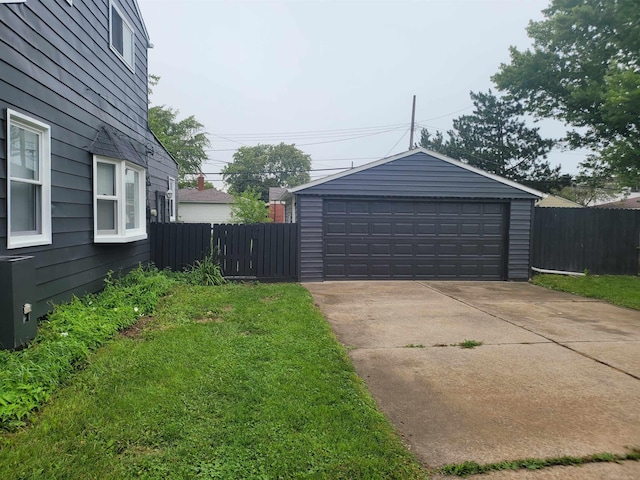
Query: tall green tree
[[495, 138], [185, 139], [584, 69], [265, 166]]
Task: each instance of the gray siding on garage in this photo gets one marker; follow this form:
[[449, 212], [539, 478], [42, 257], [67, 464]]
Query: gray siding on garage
[[57, 67], [520, 224], [418, 175], [310, 263]]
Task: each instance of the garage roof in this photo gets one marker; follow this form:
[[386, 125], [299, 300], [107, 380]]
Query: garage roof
[[421, 174]]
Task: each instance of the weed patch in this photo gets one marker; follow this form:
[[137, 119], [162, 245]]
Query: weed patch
[[472, 468], [469, 344], [29, 377]]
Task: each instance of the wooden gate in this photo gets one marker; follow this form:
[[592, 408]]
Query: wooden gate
[[264, 251]]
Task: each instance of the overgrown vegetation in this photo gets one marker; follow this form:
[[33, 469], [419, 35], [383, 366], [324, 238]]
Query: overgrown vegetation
[[234, 381], [472, 468], [29, 377], [205, 272], [617, 289]]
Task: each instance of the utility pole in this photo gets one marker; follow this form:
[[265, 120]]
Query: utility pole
[[413, 122]]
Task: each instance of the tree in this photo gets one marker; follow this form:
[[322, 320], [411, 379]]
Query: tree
[[584, 69], [265, 166], [496, 139], [248, 207], [192, 182], [185, 140]]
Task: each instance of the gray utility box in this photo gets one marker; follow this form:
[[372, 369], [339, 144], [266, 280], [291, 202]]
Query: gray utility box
[[17, 295]]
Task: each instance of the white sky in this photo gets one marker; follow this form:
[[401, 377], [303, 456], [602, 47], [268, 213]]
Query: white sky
[[267, 71]]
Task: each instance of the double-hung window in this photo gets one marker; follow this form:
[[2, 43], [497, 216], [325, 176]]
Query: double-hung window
[[119, 201], [28, 181], [121, 36]]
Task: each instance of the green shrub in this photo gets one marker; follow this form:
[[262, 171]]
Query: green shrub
[[206, 272], [28, 377]]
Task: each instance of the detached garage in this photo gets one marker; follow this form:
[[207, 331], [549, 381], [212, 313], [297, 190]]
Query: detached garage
[[416, 215]]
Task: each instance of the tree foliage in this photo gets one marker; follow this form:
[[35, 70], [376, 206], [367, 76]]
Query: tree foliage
[[265, 166], [584, 69], [192, 182], [184, 139], [248, 207], [496, 139]]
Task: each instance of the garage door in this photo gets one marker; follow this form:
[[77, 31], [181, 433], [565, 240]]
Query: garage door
[[414, 239]]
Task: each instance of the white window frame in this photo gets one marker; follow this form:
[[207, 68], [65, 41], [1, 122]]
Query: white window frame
[[171, 198], [122, 234], [130, 63], [43, 236]]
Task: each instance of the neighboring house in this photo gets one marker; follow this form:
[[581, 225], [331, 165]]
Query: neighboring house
[[631, 202], [555, 201], [204, 205], [276, 205], [81, 174], [416, 215]]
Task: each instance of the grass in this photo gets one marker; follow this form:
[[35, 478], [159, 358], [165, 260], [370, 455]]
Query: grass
[[29, 377], [235, 381], [472, 468], [619, 290]]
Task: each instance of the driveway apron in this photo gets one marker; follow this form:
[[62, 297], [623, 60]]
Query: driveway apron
[[555, 375]]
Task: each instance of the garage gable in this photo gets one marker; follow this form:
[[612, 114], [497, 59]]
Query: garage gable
[[418, 173]]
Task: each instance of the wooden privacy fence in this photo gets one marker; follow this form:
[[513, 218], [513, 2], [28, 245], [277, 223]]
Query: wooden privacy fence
[[602, 241], [264, 251]]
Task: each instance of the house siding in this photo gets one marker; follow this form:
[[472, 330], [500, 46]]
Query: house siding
[[418, 175], [57, 67], [205, 213], [310, 262], [520, 224]]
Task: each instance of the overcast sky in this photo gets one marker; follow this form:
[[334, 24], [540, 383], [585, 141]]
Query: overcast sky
[[334, 77]]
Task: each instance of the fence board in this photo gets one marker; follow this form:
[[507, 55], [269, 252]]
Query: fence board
[[603, 241], [266, 252]]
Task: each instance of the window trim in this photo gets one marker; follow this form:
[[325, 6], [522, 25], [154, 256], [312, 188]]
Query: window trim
[[123, 234], [172, 198], [16, 240], [125, 24]]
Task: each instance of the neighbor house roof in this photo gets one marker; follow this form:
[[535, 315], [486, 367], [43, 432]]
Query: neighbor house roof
[[633, 202], [555, 201], [439, 156], [276, 193], [209, 195]]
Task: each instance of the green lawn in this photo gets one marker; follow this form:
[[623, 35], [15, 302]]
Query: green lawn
[[619, 290], [230, 382]]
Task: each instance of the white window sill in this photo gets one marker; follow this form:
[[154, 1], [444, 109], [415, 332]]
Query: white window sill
[[119, 239], [27, 241]]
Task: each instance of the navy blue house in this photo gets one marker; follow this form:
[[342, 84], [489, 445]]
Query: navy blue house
[[81, 175]]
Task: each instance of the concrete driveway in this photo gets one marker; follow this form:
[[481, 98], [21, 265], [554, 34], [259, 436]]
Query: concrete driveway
[[555, 375]]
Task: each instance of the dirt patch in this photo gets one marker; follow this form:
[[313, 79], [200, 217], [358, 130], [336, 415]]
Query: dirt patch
[[135, 330]]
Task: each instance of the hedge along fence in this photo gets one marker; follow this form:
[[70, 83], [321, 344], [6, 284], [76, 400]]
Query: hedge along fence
[[28, 377]]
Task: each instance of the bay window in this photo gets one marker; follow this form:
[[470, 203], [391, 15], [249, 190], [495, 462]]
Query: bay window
[[119, 201]]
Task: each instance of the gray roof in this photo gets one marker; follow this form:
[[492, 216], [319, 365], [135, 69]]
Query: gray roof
[[414, 173], [208, 195], [275, 193], [633, 202], [113, 144]]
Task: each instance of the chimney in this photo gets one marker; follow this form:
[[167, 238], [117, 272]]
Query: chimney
[[200, 182]]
